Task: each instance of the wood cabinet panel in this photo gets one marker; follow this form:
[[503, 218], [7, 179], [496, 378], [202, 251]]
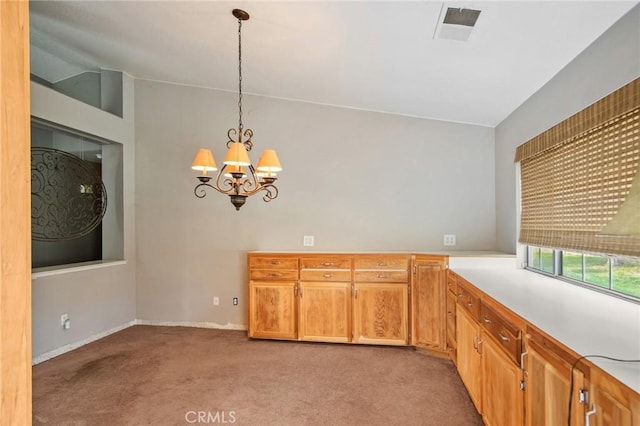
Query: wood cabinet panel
[[382, 261], [273, 262], [451, 325], [327, 275], [325, 311], [503, 399], [325, 262], [611, 403], [429, 305], [272, 274], [272, 309], [547, 378], [468, 356], [452, 281], [505, 333], [468, 300], [380, 313], [381, 276]]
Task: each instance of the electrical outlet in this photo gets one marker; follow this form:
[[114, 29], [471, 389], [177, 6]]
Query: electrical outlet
[[235, 301], [307, 241], [216, 301], [65, 322], [450, 239]]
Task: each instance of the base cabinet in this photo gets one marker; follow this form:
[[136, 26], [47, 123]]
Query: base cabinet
[[469, 359], [324, 311], [272, 311], [429, 303], [502, 386], [610, 403], [380, 313]]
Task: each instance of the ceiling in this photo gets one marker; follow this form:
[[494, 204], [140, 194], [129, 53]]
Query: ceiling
[[370, 55]]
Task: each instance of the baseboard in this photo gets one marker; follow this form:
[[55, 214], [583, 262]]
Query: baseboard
[[75, 345], [227, 326], [71, 346]]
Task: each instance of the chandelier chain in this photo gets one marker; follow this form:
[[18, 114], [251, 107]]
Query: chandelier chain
[[240, 77]]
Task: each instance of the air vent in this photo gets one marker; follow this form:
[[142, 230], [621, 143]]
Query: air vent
[[457, 23], [466, 17]]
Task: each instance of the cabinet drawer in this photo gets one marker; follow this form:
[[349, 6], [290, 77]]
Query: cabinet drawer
[[469, 301], [502, 331], [306, 275], [452, 282], [273, 263], [398, 262], [273, 275], [325, 263], [382, 276]]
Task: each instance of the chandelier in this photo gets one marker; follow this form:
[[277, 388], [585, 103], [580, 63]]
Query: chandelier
[[238, 178]]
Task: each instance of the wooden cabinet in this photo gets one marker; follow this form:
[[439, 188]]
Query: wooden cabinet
[[451, 315], [548, 370], [610, 402], [469, 359], [272, 311], [324, 308], [380, 313], [429, 302], [381, 299], [273, 290], [330, 297]]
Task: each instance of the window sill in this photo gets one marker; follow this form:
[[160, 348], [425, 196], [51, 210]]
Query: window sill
[[76, 267]]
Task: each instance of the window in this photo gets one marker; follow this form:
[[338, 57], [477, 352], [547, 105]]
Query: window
[[616, 275], [73, 175], [580, 196]]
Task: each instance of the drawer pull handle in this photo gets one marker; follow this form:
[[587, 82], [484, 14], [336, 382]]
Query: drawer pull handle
[[382, 276], [503, 337], [382, 263], [275, 262], [275, 274], [469, 304], [327, 264], [460, 295], [327, 276], [486, 320]]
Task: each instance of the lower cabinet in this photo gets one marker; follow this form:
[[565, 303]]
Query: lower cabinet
[[502, 386], [380, 313], [469, 356], [429, 303], [610, 403], [272, 309], [324, 311]]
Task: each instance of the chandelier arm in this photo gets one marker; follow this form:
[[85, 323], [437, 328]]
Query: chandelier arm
[[231, 135]]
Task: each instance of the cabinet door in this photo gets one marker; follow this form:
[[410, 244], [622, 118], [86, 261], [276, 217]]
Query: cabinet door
[[428, 314], [324, 311], [468, 355], [272, 309], [611, 403], [548, 378], [503, 400], [380, 313]]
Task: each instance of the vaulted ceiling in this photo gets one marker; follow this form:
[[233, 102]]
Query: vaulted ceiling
[[372, 55]]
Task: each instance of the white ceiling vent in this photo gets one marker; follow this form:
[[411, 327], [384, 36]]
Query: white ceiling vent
[[456, 23]]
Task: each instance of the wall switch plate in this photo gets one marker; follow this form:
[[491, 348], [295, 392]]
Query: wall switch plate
[[308, 241], [449, 239], [216, 301], [235, 301]]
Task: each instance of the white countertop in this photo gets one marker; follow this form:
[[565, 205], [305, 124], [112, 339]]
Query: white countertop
[[586, 321]]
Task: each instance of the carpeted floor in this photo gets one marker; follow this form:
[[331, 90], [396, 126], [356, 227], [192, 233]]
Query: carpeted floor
[[148, 375]]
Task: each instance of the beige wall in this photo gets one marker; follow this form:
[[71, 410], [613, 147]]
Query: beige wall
[[609, 63], [355, 180], [97, 300]]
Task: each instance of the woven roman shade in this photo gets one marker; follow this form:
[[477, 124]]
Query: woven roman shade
[[580, 180]]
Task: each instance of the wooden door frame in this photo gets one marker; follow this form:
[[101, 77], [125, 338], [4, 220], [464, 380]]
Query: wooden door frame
[[15, 216]]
